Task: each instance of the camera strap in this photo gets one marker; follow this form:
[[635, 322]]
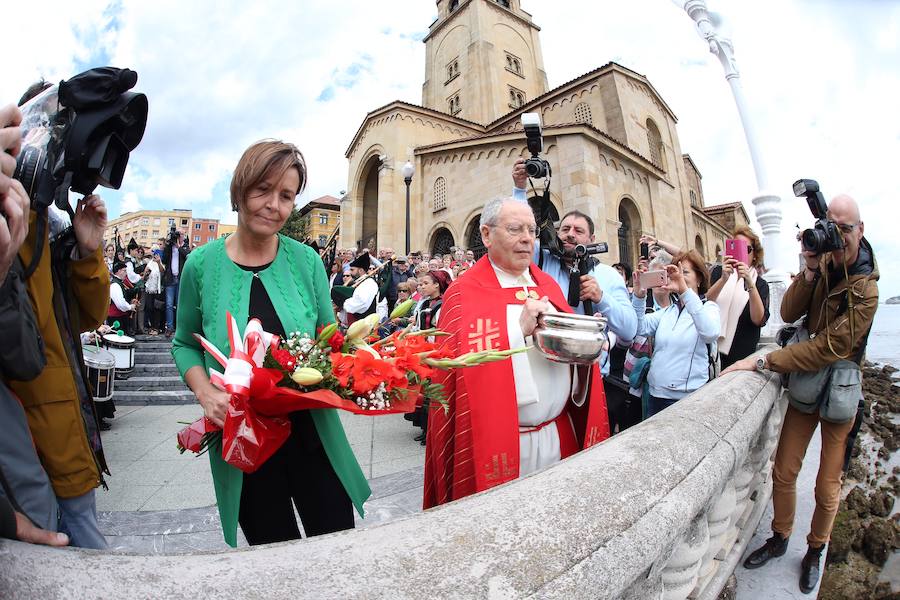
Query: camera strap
[[40, 239]]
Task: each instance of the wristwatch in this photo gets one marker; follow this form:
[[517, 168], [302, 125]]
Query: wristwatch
[[761, 363]]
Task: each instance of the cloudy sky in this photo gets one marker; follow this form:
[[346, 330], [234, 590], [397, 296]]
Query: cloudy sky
[[821, 78]]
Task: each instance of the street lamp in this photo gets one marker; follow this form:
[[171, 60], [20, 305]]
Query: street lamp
[[408, 171]]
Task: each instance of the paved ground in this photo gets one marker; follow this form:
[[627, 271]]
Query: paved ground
[[148, 473]]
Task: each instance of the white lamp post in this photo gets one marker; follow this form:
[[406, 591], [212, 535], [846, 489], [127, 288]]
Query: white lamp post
[[767, 204]]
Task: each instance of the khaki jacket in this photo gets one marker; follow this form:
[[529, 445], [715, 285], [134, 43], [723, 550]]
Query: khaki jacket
[[63, 424], [833, 337]]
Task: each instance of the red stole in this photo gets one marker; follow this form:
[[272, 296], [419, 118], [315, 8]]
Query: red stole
[[475, 446]]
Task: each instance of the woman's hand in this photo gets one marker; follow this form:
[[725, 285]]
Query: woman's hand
[[530, 313], [215, 404], [648, 239], [728, 267], [677, 283], [639, 291], [743, 272]]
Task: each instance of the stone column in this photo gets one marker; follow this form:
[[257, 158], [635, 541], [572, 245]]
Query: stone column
[[766, 203]]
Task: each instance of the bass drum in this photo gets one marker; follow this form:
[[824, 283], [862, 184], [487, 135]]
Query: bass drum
[[101, 367]]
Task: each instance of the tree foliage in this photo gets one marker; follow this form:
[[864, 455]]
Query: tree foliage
[[297, 226]]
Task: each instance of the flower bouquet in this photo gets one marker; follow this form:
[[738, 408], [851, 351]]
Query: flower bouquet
[[268, 378]]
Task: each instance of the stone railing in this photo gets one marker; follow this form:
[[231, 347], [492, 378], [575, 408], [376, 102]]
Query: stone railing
[[663, 510]]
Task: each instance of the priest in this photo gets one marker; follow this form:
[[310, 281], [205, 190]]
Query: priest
[[361, 299], [507, 418]]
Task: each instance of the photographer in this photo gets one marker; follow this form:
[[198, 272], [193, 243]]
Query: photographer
[[174, 255], [837, 292], [604, 287], [26, 497], [69, 291]]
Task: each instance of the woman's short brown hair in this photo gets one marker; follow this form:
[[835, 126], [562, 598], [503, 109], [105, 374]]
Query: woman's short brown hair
[[699, 265], [259, 162], [758, 251]]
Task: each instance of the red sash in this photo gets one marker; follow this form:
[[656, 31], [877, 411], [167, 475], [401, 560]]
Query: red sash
[[476, 445]]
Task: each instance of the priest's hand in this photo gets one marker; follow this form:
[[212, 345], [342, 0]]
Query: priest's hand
[[530, 313]]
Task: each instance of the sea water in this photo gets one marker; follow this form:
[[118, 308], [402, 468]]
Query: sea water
[[884, 340]]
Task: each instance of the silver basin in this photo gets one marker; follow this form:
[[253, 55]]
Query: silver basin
[[568, 338]]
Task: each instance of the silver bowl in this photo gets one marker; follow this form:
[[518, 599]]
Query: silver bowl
[[568, 338]]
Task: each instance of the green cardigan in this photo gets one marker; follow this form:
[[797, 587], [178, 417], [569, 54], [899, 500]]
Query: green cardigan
[[212, 284]]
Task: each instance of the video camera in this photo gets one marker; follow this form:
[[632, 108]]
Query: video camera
[[824, 236], [536, 167], [582, 257], [78, 135]]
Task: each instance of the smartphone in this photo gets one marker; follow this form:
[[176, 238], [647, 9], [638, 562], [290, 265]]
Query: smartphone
[[738, 250], [652, 279], [645, 251]]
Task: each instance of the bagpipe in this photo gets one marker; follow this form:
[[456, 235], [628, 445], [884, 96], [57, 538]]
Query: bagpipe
[[383, 275]]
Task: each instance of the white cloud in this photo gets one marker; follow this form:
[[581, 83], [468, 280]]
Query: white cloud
[[130, 203], [821, 80]]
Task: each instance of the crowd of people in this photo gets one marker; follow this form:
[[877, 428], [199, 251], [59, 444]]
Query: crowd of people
[[671, 322]]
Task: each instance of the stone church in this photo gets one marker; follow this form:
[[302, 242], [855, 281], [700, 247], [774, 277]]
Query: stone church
[[610, 138]]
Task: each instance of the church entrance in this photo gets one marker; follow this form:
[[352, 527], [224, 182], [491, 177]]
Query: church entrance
[[369, 237], [629, 232], [441, 241], [473, 238]]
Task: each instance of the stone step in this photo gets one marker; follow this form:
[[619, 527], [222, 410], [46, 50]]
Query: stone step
[[156, 370], [158, 397], [154, 357], [150, 383], [152, 346]]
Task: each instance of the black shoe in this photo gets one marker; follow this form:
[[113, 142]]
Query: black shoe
[[104, 426], [420, 437], [775, 546], [809, 569]]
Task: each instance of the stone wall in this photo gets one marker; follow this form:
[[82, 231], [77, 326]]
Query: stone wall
[[662, 510]]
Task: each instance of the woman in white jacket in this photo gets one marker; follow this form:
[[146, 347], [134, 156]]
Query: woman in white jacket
[[683, 330]]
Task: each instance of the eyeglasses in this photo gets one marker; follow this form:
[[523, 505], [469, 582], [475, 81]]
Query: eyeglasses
[[847, 227], [518, 229]]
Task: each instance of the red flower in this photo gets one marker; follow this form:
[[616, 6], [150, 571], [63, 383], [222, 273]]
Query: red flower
[[284, 358], [368, 372], [414, 343], [336, 341], [341, 367], [408, 361]]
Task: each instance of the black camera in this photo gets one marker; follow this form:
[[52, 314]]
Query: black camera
[[824, 236], [583, 262], [536, 167], [79, 134]]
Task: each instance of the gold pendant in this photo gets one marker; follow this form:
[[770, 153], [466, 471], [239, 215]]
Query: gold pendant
[[522, 296]]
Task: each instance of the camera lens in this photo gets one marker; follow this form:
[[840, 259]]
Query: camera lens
[[813, 240], [536, 168]]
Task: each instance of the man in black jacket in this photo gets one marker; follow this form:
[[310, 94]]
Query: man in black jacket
[[174, 255]]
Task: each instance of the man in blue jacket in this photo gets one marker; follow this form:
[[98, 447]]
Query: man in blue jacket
[[604, 287]]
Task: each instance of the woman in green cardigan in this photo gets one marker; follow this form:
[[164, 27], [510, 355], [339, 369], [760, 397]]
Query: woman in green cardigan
[[256, 272]]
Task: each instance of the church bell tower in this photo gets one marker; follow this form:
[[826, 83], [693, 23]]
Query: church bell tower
[[482, 59]]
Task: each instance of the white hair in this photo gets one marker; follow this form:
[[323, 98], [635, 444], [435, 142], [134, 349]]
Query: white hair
[[491, 211]]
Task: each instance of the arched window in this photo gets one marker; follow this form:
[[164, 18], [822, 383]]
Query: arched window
[[503, 3], [629, 231], [517, 66], [698, 244], [694, 202], [654, 140], [441, 241], [440, 194], [583, 113], [509, 62], [454, 4]]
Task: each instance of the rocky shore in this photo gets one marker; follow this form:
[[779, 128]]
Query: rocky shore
[[862, 559]]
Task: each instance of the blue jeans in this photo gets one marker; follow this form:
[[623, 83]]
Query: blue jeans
[[655, 405], [171, 300], [78, 520]]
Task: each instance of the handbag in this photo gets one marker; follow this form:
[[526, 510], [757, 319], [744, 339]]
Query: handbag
[[22, 353], [844, 393]]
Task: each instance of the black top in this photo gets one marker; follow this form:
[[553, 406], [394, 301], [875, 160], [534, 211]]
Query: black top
[[746, 334], [261, 307]]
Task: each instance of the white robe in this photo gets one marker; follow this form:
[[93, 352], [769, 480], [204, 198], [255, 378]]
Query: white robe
[[542, 387]]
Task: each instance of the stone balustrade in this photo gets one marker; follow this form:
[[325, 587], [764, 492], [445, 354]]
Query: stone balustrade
[[663, 510]]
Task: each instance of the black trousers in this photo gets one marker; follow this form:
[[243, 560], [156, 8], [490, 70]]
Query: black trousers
[[624, 409], [298, 474]]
